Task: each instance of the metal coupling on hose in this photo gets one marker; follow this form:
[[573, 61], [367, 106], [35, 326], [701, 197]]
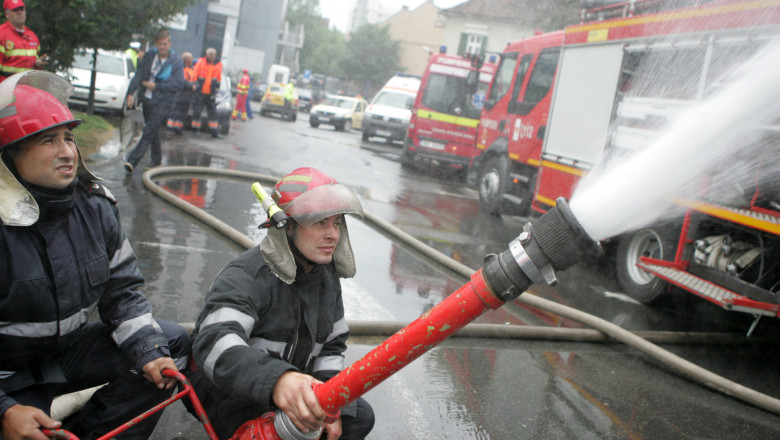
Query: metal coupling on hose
[[553, 242], [286, 430]]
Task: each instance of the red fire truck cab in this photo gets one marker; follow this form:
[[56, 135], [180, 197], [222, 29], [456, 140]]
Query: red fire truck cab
[[513, 124], [446, 113]]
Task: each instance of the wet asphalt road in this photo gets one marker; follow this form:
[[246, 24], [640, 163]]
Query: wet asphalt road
[[465, 388]]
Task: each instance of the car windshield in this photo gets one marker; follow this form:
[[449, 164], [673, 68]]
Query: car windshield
[[339, 102], [394, 99], [105, 63]]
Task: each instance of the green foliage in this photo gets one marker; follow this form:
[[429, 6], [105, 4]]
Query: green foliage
[[372, 55], [65, 25]]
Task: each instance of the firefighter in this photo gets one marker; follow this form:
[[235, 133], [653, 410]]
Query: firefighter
[[19, 46], [209, 73], [243, 94], [63, 254], [184, 97], [273, 321]]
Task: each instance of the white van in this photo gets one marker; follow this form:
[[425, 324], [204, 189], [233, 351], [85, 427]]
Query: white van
[[389, 112]]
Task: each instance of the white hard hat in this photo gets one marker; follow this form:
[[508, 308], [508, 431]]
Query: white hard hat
[[135, 45]]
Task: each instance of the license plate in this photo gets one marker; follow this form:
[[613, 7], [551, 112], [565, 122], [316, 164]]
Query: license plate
[[325, 119], [432, 145], [80, 95], [383, 133]]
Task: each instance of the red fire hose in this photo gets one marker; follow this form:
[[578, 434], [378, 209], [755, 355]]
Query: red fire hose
[[187, 391]]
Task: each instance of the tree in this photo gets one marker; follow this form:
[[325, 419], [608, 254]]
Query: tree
[[372, 56], [63, 26]]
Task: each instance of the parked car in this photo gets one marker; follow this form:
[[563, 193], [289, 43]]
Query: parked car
[[114, 72], [224, 109], [342, 112], [273, 101], [304, 97]]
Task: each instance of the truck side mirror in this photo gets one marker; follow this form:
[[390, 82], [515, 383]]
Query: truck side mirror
[[472, 81]]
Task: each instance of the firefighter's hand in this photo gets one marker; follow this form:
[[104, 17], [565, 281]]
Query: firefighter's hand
[[293, 394], [153, 372], [334, 429], [130, 101], [41, 62], [25, 422]]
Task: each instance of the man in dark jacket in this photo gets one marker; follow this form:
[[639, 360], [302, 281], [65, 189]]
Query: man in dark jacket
[[273, 323], [62, 255], [159, 77]]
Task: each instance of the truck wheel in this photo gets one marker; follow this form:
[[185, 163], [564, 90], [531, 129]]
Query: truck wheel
[[314, 124], [492, 184], [653, 242], [347, 126]]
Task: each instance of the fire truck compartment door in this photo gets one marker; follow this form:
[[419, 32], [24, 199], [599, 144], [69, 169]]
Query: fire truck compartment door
[[582, 102]]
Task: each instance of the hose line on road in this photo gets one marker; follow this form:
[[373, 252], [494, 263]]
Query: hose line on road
[[603, 331]]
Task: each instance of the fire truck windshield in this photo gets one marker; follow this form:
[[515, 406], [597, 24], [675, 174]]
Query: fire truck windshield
[[447, 94]]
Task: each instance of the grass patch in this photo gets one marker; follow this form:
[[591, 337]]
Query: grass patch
[[92, 133]]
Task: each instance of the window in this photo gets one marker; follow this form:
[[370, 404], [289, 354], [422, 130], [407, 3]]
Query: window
[[503, 78], [542, 77], [393, 99], [105, 63], [472, 43], [447, 94]]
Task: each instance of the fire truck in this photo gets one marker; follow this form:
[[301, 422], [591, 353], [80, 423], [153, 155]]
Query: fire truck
[[446, 112], [611, 84]]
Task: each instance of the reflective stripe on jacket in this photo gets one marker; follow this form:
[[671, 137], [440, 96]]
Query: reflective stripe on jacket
[[18, 51]]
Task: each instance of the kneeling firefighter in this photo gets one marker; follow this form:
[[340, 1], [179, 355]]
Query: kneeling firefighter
[[273, 321]]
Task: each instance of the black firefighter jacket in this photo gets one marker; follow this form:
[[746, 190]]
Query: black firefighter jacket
[[54, 273], [254, 327]]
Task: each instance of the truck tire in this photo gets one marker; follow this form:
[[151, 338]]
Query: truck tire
[[656, 242], [346, 126], [492, 184], [314, 124]]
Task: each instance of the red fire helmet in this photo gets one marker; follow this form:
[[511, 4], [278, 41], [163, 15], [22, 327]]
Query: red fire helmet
[[309, 195], [31, 102]]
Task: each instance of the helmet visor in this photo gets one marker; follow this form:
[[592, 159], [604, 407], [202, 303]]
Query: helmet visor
[[55, 85], [322, 202]]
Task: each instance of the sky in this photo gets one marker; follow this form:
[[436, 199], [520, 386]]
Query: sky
[[336, 10]]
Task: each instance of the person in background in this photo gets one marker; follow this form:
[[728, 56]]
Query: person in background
[[159, 77], [209, 73], [249, 113], [241, 96], [184, 97], [132, 52], [289, 96], [273, 321], [19, 46], [63, 255]]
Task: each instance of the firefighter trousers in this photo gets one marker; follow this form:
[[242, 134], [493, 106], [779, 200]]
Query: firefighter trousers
[[95, 360]]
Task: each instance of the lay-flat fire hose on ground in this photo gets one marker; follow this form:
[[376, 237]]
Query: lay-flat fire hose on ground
[[604, 330]]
